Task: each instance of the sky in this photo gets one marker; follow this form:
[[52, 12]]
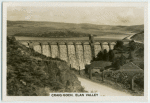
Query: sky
[[93, 15]]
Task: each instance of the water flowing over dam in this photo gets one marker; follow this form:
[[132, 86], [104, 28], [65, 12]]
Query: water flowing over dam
[[76, 51]]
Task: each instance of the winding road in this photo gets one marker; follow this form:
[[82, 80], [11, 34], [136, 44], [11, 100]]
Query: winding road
[[101, 89], [129, 38]]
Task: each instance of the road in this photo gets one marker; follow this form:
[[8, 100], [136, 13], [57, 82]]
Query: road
[[129, 38], [101, 89]]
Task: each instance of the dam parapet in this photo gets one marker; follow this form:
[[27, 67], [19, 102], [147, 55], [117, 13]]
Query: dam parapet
[[75, 51]]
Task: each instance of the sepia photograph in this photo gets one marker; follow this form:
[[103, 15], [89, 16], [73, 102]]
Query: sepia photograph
[[74, 50]]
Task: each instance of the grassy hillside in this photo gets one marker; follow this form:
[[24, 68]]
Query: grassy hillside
[[65, 33], [38, 28], [138, 36], [139, 57], [32, 74]]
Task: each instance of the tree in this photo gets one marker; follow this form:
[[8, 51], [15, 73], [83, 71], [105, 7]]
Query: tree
[[111, 55], [132, 45], [116, 63], [131, 42], [100, 56], [119, 44], [131, 55], [94, 59], [105, 55], [141, 65], [122, 60]]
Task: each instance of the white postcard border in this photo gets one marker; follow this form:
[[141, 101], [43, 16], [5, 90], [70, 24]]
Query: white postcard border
[[47, 98]]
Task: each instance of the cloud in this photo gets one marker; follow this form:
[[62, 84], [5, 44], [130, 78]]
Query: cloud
[[94, 15], [123, 19]]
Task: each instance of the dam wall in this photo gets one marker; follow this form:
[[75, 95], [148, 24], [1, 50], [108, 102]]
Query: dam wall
[[74, 52]]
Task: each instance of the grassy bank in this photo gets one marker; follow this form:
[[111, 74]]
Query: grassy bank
[[53, 29], [32, 74], [110, 82], [138, 37]]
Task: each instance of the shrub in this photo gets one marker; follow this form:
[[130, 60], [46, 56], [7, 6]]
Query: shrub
[[141, 65], [116, 63], [27, 76], [132, 45], [86, 68], [100, 55], [139, 80], [111, 55], [119, 44], [105, 55], [122, 60]]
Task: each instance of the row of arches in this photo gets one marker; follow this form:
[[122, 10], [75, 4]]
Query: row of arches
[[76, 54], [66, 43]]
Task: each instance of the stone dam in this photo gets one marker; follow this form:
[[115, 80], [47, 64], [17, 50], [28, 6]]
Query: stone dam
[[75, 51]]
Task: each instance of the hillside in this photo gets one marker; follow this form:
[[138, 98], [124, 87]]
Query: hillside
[[138, 37], [32, 74], [139, 57], [47, 28]]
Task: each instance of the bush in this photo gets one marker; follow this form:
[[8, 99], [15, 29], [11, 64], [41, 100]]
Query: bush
[[111, 55], [119, 44], [119, 61], [141, 65], [139, 80], [105, 55], [122, 60], [27, 76], [87, 68], [100, 55], [132, 45], [116, 63], [123, 78]]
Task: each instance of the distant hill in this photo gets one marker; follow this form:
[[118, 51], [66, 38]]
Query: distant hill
[[138, 36], [39, 28]]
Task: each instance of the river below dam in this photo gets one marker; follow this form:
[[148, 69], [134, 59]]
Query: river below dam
[[77, 56]]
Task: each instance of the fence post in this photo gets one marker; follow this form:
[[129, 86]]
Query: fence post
[[79, 70], [132, 84], [90, 73], [102, 75]]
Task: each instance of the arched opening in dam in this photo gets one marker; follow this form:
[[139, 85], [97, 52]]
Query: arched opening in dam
[[97, 48], [76, 52], [76, 55], [105, 46]]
